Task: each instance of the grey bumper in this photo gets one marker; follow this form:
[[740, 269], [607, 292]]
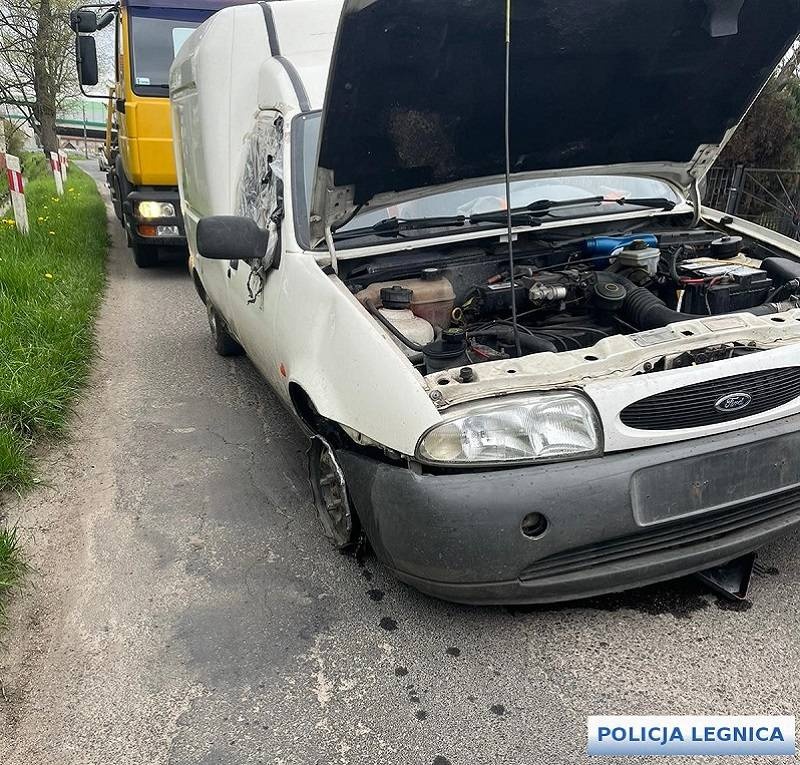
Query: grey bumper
[[458, 536]]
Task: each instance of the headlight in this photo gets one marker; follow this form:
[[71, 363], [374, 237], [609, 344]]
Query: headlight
[[534, 428], [156, 210]]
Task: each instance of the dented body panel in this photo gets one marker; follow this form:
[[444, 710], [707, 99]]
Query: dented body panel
[[652, 496]]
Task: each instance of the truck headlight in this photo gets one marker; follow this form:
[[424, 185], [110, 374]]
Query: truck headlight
[[541, 427], [150, 209]]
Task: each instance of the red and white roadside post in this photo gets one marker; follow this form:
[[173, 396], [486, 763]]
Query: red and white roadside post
[[64, 160], [55, 164], [17, 189]]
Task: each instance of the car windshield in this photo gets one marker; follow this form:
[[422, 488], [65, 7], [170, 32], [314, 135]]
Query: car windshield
[[484, 198], [156, 36]]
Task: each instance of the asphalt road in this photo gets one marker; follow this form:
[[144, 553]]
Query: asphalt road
[[188, 611]]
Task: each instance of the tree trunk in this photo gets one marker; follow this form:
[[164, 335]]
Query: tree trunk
[[47, 129], [43, 85]]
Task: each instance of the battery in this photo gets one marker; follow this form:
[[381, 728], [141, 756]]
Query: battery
[[741, 288]]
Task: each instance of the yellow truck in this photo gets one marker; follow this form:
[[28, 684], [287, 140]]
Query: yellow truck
[[140, 165]]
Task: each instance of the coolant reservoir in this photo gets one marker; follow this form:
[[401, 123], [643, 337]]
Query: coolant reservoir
[[433, 297], [396, 302]]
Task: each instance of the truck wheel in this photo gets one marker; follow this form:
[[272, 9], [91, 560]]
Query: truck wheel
[[224, 344], [334, 510], [145, 255], [116, 197]]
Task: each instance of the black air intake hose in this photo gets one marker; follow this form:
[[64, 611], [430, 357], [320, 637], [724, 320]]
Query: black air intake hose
[[644, 310], [529, 343]]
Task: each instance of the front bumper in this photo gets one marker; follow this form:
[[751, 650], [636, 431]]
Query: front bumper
[[458, 536], [155, 195]]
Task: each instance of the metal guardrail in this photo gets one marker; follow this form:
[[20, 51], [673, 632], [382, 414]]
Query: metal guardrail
[[768, 197]]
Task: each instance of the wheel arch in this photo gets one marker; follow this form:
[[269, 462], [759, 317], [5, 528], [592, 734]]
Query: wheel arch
[[198, 287]]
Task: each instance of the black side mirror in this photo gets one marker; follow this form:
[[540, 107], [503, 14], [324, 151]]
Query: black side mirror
[[86, 55], [83, 21], [231, 237]]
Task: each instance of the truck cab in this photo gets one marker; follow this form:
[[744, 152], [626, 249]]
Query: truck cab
[[138, 154]]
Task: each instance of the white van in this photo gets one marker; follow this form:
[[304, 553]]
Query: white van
[[614, 402]]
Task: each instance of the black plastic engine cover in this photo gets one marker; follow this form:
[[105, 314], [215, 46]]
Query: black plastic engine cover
[[496, 298]]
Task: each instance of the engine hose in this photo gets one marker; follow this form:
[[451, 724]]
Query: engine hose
[[644, 310], [530, 343], [371, 307]]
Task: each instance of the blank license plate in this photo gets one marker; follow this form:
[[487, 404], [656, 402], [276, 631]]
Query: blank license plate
[[712, 481]]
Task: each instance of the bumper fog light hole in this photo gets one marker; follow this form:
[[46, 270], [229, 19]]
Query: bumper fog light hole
[[534, 525]]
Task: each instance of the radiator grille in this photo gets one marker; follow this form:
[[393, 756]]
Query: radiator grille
[[672, 536], [697, 405]]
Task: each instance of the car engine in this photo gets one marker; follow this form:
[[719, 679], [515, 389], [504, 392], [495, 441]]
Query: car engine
[[448, 309]]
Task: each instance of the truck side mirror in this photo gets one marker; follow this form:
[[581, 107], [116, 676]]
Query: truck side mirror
[[231, 237], [86, 55], [105, 20], [83, 21]]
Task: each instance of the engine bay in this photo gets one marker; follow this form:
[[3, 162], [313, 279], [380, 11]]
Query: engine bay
[[452, 308]]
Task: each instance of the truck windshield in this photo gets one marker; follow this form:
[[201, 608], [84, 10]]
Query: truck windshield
[[156, 36], [473, 200]]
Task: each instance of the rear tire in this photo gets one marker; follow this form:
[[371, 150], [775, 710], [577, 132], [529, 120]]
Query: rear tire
[[224, 343], [145, 255]]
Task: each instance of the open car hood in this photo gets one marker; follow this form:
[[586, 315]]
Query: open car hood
[[415, 95]]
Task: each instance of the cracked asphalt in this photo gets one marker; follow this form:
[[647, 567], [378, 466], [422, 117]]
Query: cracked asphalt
[[186, 609]]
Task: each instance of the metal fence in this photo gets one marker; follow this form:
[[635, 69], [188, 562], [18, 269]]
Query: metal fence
[[770, 198]]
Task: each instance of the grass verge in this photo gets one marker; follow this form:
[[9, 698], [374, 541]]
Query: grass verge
[[12, 566], [50, 287]]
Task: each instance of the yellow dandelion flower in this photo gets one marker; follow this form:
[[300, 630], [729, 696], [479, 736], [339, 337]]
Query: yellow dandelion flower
[[40, 219], [48, 276], [52, 233]]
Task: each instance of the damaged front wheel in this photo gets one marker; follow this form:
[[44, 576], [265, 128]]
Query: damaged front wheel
[[339, 521]]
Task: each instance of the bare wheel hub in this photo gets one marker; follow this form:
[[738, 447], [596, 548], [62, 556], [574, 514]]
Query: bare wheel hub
[[330, 493]]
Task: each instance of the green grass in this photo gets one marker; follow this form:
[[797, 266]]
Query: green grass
[[50, 287], [50, 284], [35, 166], [12, 566]]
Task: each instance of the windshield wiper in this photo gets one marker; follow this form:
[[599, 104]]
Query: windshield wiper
[[394, 226], [542, 207], [529, 215], [657, 203]]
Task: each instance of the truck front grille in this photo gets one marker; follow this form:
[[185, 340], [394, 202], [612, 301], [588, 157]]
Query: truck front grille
[[715, 401], [678, 535]]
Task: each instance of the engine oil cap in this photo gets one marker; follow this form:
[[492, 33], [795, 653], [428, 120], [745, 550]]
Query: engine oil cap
[[396, 298]]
